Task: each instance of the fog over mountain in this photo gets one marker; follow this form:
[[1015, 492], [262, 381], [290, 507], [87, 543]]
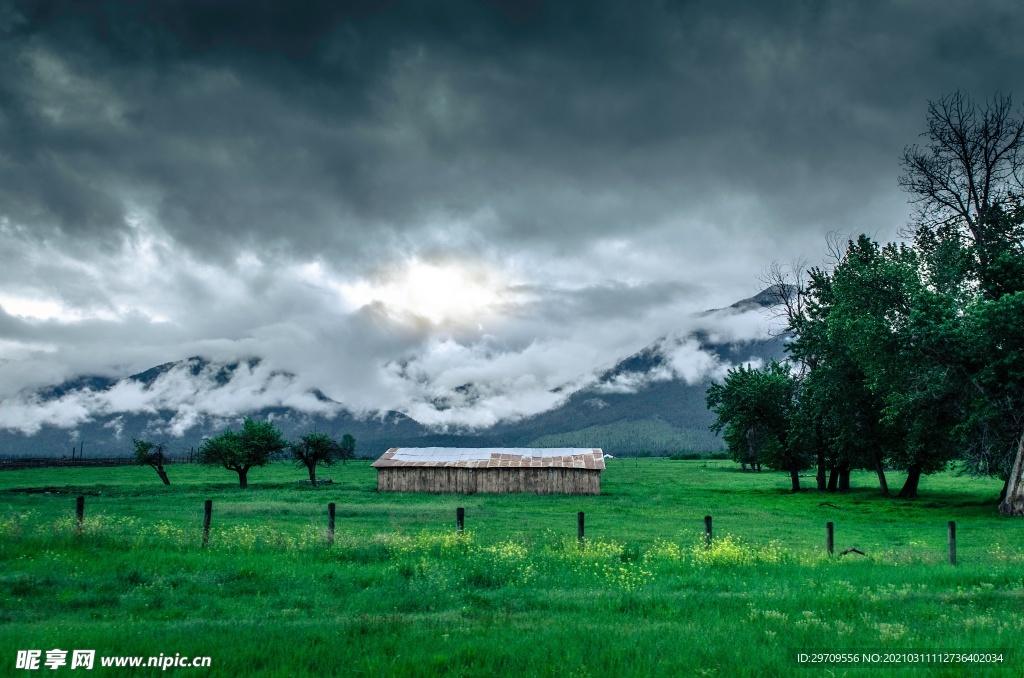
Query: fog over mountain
[[456, 211]]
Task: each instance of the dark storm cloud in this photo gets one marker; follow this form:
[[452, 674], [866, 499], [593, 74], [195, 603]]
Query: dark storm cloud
[[308, 127], [625, 303]]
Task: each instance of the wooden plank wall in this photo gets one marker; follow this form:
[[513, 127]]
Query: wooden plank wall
[[463, 480]]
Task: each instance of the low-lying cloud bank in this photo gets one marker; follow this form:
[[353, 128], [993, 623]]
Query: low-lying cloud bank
[[452, 378]]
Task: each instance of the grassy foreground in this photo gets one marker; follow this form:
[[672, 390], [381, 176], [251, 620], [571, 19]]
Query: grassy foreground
[[400, 594]]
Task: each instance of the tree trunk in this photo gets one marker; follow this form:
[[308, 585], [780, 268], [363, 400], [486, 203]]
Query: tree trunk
[[243, 480], [1013, 502], [909, 490], [312, 473], [743, 465], [833, 479], [821, 470], [159, 468], [880, 470], [794, 475], [844, 478]]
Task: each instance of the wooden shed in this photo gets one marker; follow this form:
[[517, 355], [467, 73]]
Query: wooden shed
[[561, 470]]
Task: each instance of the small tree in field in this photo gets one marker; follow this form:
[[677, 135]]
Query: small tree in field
[[255, 445], [347, 448], [315, 449], [151, 454]]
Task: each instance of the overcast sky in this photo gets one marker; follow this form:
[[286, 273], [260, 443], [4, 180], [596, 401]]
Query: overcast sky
[[392, 199]]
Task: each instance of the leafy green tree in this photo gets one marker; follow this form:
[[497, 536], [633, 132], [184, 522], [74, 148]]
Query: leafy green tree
[[836, 419], [315, 449], [255, 445], [986, 351], [993, 426], [839, 415], [916, 354], [754, 409], [893, 326], [347, 448], [151, 454]]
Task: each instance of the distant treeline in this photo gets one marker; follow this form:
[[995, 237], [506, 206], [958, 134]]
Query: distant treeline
[[653, 436]]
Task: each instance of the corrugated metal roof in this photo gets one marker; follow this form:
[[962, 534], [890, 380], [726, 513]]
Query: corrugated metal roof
[[493, 457]]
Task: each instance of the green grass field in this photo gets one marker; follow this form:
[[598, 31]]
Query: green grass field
[[399, 593]]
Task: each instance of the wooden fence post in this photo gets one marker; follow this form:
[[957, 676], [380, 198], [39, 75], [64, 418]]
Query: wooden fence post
[[330, 524], [952, 543], [460, 520], [830, 529], [579, 527], [207, 512], [707, 532], [80, 513]]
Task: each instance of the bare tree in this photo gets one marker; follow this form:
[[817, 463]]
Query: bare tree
[[785, 285], [973, 162]]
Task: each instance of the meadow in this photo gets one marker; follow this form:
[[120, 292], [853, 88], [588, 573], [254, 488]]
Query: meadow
[[400, 593]]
